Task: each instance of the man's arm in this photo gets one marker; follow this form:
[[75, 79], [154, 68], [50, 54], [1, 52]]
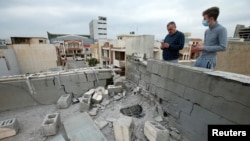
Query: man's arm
[[181, 40], [222, 38]]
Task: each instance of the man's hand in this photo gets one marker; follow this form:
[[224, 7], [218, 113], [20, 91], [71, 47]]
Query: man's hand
[[164, 45], [198, 47]]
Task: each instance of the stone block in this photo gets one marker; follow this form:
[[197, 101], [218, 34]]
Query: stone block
[[50, 124], [102, 83], [163, 94], [8, 128], [64, 101], [123, 128], [155, 132], [104, 75], [113, 88]]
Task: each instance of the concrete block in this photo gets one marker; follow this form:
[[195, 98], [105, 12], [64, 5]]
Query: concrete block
[[149, 65], [231, 110], [174, 87], [106, 94], [50, 124], [146, 77], [154, 79], [155, 68], [203, 99], [64, 101], [97, 97], [155, 132], [104, 75], [142, 84], [113, 88], [8, 128], [102, 83], [89, 93], [142, 68], [163, 70], [123, 128], [163, 94], [100, 89], [84, 104], [117, 79], [91, 75], [152, 89]]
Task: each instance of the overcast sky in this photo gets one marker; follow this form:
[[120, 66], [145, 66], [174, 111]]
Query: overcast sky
[[36, 17]]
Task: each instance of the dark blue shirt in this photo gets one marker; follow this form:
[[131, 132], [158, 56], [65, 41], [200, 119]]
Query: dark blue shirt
[[176, 42]]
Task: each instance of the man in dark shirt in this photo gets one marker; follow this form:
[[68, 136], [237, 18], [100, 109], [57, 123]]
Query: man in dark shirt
[[173, 42]]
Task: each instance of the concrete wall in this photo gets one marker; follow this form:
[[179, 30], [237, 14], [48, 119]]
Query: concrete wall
[[34, 58], [235, 59], [46, 88], [140, 44], [8, 65], [191, 97]]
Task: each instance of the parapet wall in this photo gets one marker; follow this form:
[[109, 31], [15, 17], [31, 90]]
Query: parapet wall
[[192, 97], [46, 88]]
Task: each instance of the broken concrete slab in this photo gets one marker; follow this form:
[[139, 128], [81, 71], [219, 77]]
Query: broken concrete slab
[[100, 89], [8, 128], [89, 93], [82, 127], [84, 104], [106, 94], [155, 131], [123, 128], [50, 124], [64, 101], [101, 123]]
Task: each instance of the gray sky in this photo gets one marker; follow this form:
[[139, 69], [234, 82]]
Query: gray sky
[[36, 17]]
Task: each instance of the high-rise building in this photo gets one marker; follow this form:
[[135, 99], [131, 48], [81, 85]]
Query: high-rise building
[[98, 28], [242, 32]]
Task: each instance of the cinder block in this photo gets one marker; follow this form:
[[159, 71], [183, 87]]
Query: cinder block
[[84, 104], [155, 132], [123, 128], [113, 88], [174, 87], [50, 124], [97, 97], [106, 94], [163, 70], [64, 101], [154, 79], [8, 128]]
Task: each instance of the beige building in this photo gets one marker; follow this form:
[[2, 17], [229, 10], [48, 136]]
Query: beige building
[[33, 54]]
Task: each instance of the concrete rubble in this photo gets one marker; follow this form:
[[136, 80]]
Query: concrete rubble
[[97, 116], [8, 128]]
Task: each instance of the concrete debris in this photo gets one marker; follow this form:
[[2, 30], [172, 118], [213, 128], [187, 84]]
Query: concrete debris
[[89, 93], [100, 89], [64, 101], [50, 124], [105, 102], [155, 131], [110, 119], [158, 118], [124, 93], [123, 128], [84, 104], [8, 128], [117, 79], [118, 96], [175, 135], [106, 94], [174, 129], [137, 90], [113, 88], [101, 123], [93, 112], [97, 97]]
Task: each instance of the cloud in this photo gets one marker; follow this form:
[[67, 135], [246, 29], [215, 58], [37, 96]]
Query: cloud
[[35, 18]]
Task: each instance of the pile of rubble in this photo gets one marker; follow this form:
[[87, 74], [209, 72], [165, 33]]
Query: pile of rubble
[[120, 113]]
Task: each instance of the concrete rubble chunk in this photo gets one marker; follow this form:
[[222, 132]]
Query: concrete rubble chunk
[[64, 101], [117, 79], [8, 128], [113, 88], [93, 111], [100, 89], [50, 124], [85, 104], [123, 128], [158, 118], [97, 97], [118, 96], [106, 94], [101, 123], [155, 131], [89, 93]]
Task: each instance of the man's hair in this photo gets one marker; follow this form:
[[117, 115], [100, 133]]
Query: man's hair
[[212, 12], [171, 23]]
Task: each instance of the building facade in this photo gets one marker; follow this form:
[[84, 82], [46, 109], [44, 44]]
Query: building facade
[[242, 32], [98, 28]]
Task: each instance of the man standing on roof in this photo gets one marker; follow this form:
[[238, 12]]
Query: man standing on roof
[[173, 42]]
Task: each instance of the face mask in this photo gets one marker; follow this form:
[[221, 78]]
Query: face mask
[[205, 22]]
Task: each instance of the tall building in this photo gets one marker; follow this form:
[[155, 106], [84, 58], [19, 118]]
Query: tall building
[[242, 32], [98, 28]]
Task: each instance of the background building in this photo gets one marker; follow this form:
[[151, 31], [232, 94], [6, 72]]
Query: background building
[[98, 28], [242, 32]]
